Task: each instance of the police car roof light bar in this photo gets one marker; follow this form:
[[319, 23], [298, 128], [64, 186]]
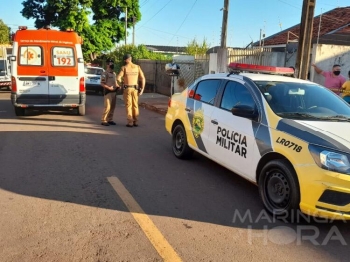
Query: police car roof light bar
[[21, 27], [260, 69]]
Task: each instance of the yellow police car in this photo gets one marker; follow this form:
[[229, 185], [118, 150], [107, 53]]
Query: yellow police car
[[289, 136]]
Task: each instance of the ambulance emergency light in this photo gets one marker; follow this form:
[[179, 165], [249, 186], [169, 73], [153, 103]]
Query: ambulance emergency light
[[239, 67]]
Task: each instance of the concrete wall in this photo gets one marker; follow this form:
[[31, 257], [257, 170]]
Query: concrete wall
[[213, 58], [276, 58], [325, 56]]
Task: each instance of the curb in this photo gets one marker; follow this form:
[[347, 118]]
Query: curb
[[161, 111]]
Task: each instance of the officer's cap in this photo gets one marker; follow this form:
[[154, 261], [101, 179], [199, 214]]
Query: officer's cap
[[126, 56]]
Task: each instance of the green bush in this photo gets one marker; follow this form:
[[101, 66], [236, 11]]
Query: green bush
[[137, 52]]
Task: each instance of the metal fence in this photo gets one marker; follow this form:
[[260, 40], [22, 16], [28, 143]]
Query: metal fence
[[158, 81], [256, 55]]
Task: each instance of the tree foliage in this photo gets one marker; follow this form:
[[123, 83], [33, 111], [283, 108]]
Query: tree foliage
[[195, 48], [137, 52], [4, 33], [101, 23]]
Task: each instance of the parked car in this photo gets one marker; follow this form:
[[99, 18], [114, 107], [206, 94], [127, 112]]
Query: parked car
[[93, 78], [288, 136]]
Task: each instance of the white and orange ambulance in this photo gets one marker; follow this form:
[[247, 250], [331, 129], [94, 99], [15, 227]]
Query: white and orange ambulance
[[47, 70]]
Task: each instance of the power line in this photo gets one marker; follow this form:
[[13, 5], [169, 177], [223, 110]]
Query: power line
[[143, 3], [155, 14], [289, 4], [165, 32], [184, 20]]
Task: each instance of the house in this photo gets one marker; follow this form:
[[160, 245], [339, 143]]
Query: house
[[167, 50], [331, 28], [330, 42]]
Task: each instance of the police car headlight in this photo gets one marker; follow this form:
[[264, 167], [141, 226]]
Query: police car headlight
[[331, 160]]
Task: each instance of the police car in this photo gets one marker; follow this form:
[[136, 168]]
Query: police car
[[289, 136]]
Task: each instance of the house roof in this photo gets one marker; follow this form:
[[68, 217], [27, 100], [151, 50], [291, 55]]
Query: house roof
[[166, 49], [335, 22]]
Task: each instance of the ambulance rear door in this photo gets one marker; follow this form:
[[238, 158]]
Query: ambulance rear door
[[31, 73], [63, 75]]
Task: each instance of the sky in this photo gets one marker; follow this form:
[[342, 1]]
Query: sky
[[178, 22]]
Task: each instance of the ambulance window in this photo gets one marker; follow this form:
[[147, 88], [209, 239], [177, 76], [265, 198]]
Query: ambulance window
[[63, 56], [206, 91], [30, 56], [236, 94]]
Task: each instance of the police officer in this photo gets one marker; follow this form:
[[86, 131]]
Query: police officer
[[131, 74], [110, 87]]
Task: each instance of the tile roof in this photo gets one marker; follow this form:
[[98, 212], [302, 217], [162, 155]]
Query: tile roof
[[335, 21], [166, 49]]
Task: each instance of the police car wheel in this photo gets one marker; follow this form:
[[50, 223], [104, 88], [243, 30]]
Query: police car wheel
[[179, 143], [279, 188]]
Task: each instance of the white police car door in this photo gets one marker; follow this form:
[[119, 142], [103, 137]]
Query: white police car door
[[231, 138], [200, 107]]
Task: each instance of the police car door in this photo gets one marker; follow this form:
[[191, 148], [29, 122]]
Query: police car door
[[200, 106], [231, 137]]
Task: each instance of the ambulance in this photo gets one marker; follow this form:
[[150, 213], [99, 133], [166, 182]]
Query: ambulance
[[290, 137], [47, 70], [5, 69]]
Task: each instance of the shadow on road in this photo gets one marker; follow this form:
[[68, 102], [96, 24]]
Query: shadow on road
[[73, 166]]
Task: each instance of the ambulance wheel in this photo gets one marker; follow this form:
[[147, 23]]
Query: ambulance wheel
[[279, 189], [81, 110], [179, 143], [19, 111]]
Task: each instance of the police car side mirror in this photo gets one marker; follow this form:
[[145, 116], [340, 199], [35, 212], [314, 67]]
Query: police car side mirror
[[245, 111]]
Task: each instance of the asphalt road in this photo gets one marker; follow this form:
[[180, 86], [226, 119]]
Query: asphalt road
[[73, 190]]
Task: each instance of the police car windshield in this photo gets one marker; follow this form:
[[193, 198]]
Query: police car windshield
[[304, 101]]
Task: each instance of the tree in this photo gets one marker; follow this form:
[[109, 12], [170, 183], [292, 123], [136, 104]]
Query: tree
[[4, 33], [137, 52], [195, 48], [99, 23]]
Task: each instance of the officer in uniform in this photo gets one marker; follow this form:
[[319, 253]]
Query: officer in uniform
[[110, 87], [131, 74]]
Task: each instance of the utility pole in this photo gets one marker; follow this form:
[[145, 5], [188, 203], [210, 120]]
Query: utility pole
[[224, 24], [305, 39], [222, 53], [126, 23], [133, 30]]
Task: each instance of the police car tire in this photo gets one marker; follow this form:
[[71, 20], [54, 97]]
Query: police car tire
[[19, 111], [180, 146], [81, 110], [279, 174]]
